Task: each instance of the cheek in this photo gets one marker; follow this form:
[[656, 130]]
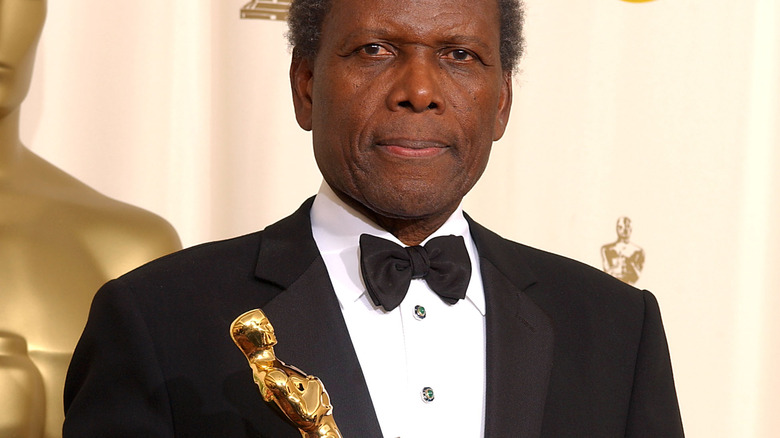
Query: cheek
[[331, 111], [340, 120], [334, 161], [486, 111]]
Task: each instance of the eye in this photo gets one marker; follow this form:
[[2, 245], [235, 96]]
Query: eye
[[373, 50], [459, 55]]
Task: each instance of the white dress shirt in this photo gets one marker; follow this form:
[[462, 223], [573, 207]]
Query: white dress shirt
[[399, 352]]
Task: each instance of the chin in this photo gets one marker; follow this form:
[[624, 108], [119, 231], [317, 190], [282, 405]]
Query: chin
[[413, 205]]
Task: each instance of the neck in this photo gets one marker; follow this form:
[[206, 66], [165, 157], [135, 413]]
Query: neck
[[10, 145], [410, 231], [263, 359]]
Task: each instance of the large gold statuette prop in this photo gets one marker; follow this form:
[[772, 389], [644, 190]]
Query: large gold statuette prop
[[301, 398]]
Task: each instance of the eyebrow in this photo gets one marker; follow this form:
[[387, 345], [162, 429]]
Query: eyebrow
[[385, 34]]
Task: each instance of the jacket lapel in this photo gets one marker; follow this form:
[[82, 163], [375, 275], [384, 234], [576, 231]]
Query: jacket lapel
[[313, 336], [519, 341], [309, 326]]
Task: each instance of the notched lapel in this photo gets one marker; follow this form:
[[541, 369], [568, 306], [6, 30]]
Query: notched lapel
[[313, 336], [287, 248], [309, 326], [519, 341]]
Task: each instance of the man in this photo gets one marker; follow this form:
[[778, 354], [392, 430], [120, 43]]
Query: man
[[404, 100]]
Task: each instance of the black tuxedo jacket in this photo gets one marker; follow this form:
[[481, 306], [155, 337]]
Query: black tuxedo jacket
[[571, 352]]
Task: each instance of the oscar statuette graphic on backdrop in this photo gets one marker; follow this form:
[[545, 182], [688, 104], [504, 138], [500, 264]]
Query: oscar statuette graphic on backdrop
[[622, 258], [266, 9]]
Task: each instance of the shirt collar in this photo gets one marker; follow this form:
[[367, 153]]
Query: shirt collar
[[337, 227]]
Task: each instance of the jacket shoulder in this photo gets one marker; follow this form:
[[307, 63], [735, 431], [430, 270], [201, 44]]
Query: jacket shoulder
[[558, 283], [238, 254]]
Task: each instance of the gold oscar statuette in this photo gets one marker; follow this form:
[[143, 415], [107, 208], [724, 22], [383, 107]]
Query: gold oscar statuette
[[301, 398]]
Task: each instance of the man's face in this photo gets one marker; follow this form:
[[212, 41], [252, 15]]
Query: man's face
[[404, 101], [20, 26]]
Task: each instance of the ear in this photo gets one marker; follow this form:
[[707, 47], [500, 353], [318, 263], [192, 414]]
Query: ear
[[504, 106], [301, 75]]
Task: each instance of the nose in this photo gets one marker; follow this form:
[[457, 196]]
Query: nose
[[416, 86]]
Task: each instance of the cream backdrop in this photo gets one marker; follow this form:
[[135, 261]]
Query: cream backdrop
[[664, 111]]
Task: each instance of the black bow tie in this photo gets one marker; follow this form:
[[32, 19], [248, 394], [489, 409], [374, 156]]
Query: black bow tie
[[388, 268]]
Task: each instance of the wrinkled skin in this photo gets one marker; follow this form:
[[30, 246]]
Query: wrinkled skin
[[404, 100]]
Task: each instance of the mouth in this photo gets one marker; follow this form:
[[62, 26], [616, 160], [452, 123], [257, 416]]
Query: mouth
[[409, 148]]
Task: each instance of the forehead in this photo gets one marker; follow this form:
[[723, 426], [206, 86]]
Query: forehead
[[7, 5], [20, 24], [422, 19]]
